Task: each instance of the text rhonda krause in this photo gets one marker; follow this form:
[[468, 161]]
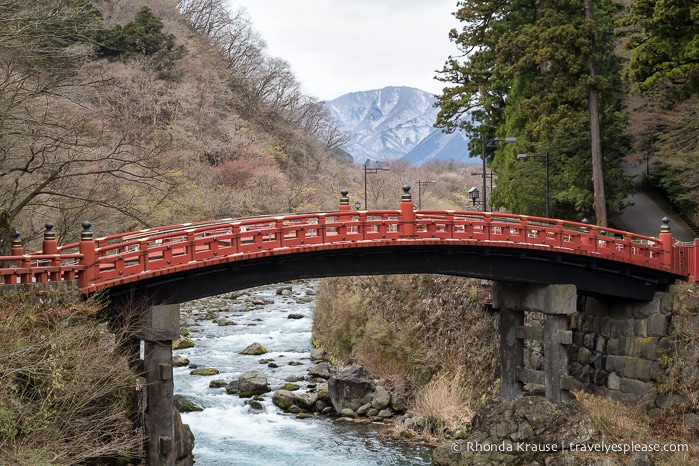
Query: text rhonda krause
[[517, 447]]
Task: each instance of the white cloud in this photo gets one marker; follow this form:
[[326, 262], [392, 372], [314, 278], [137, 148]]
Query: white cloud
[[340, 46]]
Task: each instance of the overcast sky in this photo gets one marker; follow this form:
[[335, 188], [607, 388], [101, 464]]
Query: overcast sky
[[340, 46]]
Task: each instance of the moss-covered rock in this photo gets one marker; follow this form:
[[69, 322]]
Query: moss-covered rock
[[254, 349], [290, 387], [205, 371], [182, 343], [185, 405]]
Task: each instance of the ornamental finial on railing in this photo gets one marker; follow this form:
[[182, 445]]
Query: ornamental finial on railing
[[344, 200], [665, 225], [86, 234], [16, 245], [49, 234], [16, 240], [406, 197]]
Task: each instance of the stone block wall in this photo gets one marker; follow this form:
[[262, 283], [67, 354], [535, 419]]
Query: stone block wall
[[632, 352]]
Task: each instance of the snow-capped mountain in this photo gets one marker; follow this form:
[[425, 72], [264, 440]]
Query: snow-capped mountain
[[392, 123]]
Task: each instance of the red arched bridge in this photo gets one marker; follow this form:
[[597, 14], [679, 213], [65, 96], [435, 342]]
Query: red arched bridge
[[178, 263]]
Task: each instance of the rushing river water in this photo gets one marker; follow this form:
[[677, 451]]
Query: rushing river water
[[228, 434]]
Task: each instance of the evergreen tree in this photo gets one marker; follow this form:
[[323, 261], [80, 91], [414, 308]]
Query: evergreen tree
[[529, 69], [665, 47]]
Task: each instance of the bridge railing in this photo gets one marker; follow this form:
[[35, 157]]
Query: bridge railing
[[536, 232], [128, 256]]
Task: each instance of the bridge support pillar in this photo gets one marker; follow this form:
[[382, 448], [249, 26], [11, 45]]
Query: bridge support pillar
[[161, 325], [557, 303], [511, 353]]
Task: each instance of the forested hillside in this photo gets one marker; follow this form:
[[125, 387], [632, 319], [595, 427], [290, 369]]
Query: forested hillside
[[590, 83], [130, 114]]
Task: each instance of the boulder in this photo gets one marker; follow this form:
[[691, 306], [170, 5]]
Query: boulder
[[184, 442], [232, 387], [252, 383], [290, 387], [323, 393], [224, 321], [382, 398], [283, 398], [180, 361], [399, 395], [351, 388], [319, 354], [182, 343], [305, 401], [185, 405], [321, 370], [254, 349]]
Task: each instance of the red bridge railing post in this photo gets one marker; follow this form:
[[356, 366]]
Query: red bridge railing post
[[666, 241], [50, 246], [693, 263], [16, 249], [407, 214], [87, 262]]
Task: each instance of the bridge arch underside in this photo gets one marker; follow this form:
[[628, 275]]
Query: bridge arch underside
[[591, 275]]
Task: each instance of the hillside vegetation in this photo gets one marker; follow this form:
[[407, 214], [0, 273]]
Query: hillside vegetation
[[430, 330], [66, 393]]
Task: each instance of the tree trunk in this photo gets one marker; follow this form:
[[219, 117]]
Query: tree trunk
[[600, 202], [6, 232]]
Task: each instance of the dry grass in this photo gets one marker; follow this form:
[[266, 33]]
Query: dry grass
[[625, 424], [66, 394], [446, 404]]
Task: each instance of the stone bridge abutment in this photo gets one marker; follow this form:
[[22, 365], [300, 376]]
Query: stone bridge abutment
[[637, 353]]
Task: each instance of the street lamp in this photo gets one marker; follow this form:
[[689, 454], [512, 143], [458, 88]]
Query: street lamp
[[473, 194], [546, 161], [484, 144], [420, 184], [372, 171], [357, 205]]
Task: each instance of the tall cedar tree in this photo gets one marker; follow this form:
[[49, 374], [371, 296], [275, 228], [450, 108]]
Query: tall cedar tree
[[664, 69], [529, 69]]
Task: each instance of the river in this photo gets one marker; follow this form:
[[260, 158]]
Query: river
[[228, 434]]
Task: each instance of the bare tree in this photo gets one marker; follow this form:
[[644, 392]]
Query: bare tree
[[56, 150]]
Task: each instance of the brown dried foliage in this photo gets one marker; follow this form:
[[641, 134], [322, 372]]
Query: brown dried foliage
[[66, 394]]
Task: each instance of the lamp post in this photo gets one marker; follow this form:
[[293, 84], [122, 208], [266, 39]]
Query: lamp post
[[420, 184], [473, 194], [371, 171], [546, 162], [357, 205], [485, 143]]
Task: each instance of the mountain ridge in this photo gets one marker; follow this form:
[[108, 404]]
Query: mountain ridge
[[396, 122]]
